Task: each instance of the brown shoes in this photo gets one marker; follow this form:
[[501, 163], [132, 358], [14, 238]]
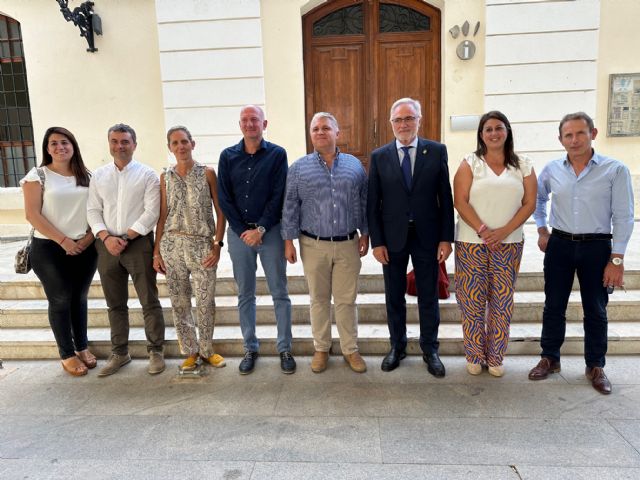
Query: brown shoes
[[544, 368], [598, 379], [319, 362], [356, 362]]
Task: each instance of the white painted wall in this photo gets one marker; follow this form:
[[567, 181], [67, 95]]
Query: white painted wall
[[211, 62], [541, 63]]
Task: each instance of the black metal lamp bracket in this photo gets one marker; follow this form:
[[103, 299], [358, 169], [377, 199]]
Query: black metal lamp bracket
[[83, 17]]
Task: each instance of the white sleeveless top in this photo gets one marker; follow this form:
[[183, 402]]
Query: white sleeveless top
[[64, 203], [495, 198]]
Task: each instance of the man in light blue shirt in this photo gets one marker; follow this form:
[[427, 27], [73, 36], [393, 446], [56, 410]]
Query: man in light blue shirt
[[325, 206], [591, 219]]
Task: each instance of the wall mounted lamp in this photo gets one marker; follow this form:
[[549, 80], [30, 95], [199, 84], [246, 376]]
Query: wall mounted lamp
[[83, 18]]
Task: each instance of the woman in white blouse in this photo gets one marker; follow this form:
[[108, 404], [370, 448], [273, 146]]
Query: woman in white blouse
[[62, 252], [494, 194]]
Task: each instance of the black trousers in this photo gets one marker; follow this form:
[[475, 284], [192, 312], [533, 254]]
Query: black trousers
[[425, 265], [66, 280]]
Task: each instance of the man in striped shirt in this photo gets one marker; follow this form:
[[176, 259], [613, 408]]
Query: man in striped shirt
[[324, 207]]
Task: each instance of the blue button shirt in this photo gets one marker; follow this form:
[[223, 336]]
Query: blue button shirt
[[599, 200], [251, 186], [325, 201]]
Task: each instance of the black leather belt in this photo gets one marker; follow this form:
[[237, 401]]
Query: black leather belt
[[581, 237], [339, 238]]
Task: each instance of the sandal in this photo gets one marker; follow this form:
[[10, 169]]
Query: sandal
[[88, 358], [75, 367]]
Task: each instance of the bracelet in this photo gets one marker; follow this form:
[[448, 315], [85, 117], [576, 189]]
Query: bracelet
[[62, 241], [482, 228], [156, 256], [105, 238]]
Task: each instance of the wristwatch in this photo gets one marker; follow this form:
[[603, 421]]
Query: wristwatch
[[220, 243], [261, 229], [617, 261]]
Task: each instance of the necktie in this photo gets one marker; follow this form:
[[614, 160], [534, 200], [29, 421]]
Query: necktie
[[406, 167]]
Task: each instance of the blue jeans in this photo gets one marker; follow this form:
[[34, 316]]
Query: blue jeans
[[66, 280], [243, 257], [562, 260]]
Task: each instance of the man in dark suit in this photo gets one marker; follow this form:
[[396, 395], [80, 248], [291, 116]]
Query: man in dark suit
[[410, 213]]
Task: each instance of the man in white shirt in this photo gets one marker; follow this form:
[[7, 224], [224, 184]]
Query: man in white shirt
[[122, 209]]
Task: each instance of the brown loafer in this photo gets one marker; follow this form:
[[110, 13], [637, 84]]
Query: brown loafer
[[598, 379], [319, 362], [544, 368], [356, 362]]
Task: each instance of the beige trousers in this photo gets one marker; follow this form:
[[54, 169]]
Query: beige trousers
[[332, 269]]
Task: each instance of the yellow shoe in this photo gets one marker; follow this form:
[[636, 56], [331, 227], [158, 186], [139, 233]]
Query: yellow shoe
[[216, 360], [190, 363]]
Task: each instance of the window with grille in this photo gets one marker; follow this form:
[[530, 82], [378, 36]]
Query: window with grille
[[17, 153]]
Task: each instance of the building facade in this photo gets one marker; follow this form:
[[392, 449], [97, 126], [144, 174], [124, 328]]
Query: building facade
[[196, 62]]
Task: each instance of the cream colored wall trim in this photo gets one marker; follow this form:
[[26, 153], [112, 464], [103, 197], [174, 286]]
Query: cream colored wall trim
[[211, 57], [541, 64]]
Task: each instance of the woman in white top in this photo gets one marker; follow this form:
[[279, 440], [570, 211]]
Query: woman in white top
[[62, 252], [494, 194]]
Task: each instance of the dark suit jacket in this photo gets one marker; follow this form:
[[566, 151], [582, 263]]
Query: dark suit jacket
[[389, 201]]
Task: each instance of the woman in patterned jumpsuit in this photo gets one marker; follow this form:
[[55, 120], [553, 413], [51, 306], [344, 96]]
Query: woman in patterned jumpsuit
[[188, 243], [494, 194]]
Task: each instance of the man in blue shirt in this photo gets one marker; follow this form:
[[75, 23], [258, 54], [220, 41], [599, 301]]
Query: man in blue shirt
[[251, 181], [325, 206], [591, 204]]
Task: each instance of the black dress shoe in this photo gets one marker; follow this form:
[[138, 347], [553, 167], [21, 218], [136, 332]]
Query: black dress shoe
[[287, 363], [248, 363], [392, 360], [434, 365]]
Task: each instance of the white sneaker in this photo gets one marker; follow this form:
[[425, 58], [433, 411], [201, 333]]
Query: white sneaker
[[474, 368], [496, 371]]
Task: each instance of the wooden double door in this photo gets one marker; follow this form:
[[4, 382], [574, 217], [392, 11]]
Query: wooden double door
[[361, 56]]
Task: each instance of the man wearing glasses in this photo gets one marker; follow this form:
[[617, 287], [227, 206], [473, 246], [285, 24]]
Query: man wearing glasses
[[410, 214]]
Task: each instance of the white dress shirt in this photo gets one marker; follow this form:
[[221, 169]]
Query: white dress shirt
[[412, 153], [124, 199]]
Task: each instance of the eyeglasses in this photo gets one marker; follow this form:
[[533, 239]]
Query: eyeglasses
[[399, 120], [498, 129]]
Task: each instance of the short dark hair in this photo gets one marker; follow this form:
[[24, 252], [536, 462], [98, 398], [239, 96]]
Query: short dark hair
[[123, 128], [78, 167], [178, 128], [510, 157], [576, 116]]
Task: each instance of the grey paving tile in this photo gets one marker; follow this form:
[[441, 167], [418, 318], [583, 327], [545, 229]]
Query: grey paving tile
[[529, 472], [336, 471], [190, 438], [505, 441], [163, 399], [629, 429], [490, 399], [621, 370], [54, 469]]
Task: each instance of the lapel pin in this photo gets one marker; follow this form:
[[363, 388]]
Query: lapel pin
[[424, 152]]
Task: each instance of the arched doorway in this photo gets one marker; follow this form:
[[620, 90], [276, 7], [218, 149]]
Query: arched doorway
[[360, 56]]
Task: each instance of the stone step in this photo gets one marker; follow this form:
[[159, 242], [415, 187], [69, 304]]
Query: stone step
[[38, 343], [29, 288], [623, 306]]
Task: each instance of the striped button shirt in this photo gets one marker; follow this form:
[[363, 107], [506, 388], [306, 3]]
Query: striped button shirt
[[325, 201]]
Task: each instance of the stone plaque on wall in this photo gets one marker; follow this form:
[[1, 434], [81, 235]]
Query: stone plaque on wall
[[623, 119]]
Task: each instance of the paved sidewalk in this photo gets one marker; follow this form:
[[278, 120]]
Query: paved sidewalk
[[340, 425]]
